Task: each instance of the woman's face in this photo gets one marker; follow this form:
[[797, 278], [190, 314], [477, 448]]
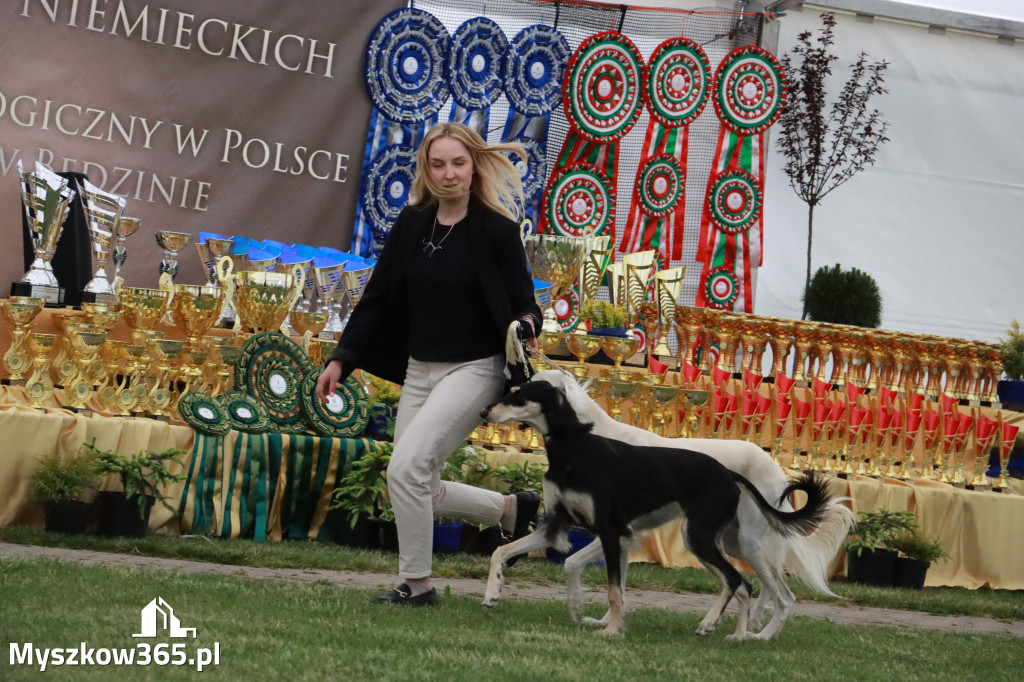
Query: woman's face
[[451, 166]]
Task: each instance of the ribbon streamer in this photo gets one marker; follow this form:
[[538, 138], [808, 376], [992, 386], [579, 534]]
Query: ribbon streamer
[[605, 80], [677, 90], [749, 95], [406, 66]]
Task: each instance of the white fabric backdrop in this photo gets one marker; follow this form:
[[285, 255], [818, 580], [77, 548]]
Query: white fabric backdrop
[[938, 220]]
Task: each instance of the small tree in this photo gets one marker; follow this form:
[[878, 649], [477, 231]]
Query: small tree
[[826, 146], [842, 296]]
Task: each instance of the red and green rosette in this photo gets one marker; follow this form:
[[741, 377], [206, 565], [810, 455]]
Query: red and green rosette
[[677, 89], [580, 202], [603, 100], [749, 96]]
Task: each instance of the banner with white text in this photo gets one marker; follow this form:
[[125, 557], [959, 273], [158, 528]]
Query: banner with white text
[[237, 118]]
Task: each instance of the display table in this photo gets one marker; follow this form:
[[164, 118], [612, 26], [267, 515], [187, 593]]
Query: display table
[[266, 486]]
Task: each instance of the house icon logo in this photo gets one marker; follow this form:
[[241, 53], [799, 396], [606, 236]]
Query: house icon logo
[[159, 614]]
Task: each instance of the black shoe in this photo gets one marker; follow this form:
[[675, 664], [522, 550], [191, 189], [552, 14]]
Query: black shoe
[[527, 504], [400, 596]]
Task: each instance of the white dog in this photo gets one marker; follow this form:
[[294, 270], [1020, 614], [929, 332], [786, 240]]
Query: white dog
[[749, 538]]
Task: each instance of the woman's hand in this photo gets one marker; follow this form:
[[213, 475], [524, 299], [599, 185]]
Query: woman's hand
[[328, 380]]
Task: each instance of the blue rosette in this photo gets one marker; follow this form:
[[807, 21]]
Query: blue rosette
[[534, 70], [479, 48], [385, 190], [407, 65]]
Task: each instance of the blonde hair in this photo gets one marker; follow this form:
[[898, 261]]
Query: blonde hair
[[495, 180]]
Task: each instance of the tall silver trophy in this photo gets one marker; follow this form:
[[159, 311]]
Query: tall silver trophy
[[103, 214], [45, 196]]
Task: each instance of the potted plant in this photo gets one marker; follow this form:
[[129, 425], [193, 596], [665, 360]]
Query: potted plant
[[603, 318], [361, 496], [143, 475], [916, 554], [383, 408], [62, 483], [870, 560], [842, 296], [1011, 349]]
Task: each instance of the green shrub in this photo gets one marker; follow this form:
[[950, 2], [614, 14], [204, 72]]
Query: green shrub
[[1012, 351], [64, 478], [843, 297]]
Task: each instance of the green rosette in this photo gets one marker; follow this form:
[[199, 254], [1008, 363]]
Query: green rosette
[[271, 370], [244, 413], [344, 416], [204, 414]]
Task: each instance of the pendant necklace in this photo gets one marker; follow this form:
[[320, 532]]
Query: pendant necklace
[[429, 247]]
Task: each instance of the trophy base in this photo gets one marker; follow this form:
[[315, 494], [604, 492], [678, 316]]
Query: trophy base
[[54, 296], [84, 411], [12, 382], [93, 297], [159, 417]]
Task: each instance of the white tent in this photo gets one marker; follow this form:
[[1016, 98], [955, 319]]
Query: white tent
[[937, 220]]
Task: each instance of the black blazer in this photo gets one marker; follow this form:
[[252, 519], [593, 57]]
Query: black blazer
[[376, 337]]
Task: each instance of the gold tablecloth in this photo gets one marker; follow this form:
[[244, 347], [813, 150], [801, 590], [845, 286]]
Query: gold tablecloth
[[265, 486]]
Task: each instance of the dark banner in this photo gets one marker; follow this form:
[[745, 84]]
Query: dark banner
[[237, 118]]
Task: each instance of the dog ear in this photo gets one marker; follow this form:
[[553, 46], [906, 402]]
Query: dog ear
[[559, 411]]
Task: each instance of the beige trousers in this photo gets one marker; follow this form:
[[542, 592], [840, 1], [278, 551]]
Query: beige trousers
[[439, 408]]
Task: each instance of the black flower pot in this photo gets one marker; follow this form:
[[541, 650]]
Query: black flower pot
[[873, 567], [388, 536], [364, 535], [119, 516], [480, 541], [67, 517], [910, 573]]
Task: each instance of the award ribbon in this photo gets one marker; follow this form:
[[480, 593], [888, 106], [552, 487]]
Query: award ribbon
[[476, 67], [534, 67], [678, 83], [406, 65], [749, 95], [604, 98]]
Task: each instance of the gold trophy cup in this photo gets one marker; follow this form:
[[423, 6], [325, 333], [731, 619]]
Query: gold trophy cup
[[19, 312], [195, 309], [171, 243], [556, 260], [39, 386]]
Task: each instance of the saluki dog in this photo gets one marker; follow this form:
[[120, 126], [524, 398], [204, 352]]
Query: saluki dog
[[748, 538], [604, 485]]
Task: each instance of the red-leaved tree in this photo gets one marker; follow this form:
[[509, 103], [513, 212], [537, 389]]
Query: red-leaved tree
[[824, 145]]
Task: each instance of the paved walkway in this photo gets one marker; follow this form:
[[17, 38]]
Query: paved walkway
[[847, 615]]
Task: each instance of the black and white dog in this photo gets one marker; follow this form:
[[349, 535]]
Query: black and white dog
[[604, 485], [748, 538]]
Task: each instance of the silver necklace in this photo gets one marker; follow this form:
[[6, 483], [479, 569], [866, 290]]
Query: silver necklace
[[429, 247]]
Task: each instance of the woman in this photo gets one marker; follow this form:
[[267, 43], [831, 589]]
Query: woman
[[450, 280]]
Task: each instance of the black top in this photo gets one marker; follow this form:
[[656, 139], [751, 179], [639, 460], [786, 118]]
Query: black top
[[377, 337], [446, 306]]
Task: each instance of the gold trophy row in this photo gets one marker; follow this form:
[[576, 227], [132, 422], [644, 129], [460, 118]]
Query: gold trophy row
[[871, 359], [149, 373]]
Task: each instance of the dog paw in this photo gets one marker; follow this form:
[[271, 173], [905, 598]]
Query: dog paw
[[490, 602], [705, 629], [610, 632], [594, 622], [737, 637]]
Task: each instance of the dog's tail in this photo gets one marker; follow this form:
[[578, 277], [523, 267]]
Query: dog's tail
[[808, 556], [801, 521]]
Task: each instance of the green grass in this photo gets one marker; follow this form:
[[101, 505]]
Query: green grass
[[277, 631], [1000, 604]]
